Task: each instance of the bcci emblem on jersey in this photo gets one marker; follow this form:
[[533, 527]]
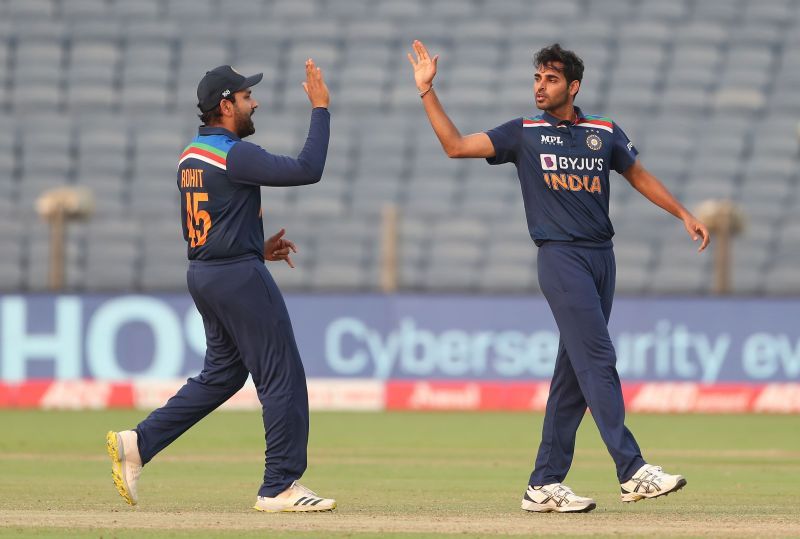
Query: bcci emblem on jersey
[[594, 142]]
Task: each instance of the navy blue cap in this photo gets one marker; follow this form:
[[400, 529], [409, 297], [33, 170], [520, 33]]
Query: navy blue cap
[[221, 83]]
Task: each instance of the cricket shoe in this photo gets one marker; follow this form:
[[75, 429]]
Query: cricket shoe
[[650, 482], [555, 497], [126, 465], [296, 498]]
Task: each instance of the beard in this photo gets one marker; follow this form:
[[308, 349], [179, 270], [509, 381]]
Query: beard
[[244, 124], [554, 102]]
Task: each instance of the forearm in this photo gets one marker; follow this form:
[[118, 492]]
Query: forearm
[[446, 131], [315, 151], [655, 191], [250, 164]]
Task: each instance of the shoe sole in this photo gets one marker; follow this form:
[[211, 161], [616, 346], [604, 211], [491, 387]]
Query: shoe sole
[[679, 485], [537, 508], [115, 451], [293, 509]]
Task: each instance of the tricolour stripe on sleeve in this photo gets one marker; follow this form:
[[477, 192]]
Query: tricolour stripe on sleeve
[[204, 152], [597, 122]]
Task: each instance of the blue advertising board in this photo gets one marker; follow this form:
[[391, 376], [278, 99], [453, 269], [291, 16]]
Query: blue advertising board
[[403, 337]]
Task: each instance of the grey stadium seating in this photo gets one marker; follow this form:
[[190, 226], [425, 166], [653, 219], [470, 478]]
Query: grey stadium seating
[[101, 93]]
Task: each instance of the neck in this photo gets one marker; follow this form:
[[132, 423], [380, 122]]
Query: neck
[[230, 126], [564, 112]]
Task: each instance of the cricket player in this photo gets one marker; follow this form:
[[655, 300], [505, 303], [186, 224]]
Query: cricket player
[[247, 326], [563, 158]]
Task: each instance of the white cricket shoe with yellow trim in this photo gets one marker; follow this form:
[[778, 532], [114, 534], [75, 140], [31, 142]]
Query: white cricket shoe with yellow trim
[[126, 464], [296, 498]]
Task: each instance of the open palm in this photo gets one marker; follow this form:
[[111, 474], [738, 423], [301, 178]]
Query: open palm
[[424, 66]]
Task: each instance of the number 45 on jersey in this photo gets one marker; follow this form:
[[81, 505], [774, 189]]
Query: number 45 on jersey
[[198, 222]]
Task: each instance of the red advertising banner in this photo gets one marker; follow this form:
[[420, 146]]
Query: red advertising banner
[[376, 395], [656, 397]]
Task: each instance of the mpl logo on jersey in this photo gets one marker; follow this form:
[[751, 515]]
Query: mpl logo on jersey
[[553, 140]]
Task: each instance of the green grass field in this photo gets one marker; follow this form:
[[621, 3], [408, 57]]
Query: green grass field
[[396, 475]]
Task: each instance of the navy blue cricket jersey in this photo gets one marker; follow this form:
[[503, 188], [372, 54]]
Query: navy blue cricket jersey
[[219, 177], [563, 168]]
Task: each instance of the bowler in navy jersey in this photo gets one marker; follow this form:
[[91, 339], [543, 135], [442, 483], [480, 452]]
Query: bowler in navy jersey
[[247, 326], [563, 158]]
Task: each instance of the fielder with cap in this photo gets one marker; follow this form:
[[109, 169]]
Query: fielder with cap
[[247, 326]]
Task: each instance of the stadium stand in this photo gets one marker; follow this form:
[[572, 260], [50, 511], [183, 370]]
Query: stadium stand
[[101, 93]]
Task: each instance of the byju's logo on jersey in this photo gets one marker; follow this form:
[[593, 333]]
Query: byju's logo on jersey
[[549, 161], [594, 142], [553, 140]]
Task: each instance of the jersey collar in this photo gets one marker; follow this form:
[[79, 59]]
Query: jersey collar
[[555, 122], [205, 130]]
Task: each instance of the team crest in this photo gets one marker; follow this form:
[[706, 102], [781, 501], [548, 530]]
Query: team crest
[[594, 142]]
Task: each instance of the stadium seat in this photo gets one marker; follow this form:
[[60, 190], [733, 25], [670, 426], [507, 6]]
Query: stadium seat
[[291, 279], [83, 9], [104, 90], [285, 9], [141, 9], [33, 9], [783, 279], [632, 279]]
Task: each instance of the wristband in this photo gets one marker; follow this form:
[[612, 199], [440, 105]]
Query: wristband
[[423, 94]]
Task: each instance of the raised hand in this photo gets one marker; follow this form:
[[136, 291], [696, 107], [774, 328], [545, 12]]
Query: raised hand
[[315, 86], [424, 66], [278, 248]]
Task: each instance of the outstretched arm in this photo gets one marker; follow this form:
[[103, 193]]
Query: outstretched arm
[[655, 192], [453, 143], [251, 164]]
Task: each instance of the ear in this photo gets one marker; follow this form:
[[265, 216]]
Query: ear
[[574, 87], [226, 106]]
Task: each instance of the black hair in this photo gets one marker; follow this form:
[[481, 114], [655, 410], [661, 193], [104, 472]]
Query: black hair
[[573, 65], [214, 115]]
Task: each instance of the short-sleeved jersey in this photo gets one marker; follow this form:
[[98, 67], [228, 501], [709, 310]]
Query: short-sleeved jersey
[[563, 169], [219, 178]]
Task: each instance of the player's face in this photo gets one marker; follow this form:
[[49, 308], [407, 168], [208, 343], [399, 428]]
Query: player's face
[[550, 87], [243, 110]]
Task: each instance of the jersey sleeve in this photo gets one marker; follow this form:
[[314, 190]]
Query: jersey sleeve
[[505, 139], [251, 164], [623, 152]]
